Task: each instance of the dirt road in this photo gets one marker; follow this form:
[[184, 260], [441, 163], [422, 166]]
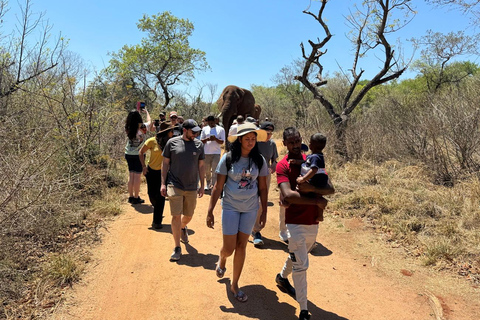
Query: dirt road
[[352, 275]]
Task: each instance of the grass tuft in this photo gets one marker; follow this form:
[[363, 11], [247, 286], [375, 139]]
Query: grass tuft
[[62, 269]]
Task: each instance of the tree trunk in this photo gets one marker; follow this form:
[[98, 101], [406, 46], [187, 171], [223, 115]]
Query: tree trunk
[[340, 145]]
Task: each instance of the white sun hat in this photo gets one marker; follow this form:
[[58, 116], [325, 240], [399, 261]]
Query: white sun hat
[[248, 127]]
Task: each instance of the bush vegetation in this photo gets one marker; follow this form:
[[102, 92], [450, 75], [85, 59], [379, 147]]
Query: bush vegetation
[[413, 174]]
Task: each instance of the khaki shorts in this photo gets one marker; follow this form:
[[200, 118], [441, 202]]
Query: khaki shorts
[[181, 202]]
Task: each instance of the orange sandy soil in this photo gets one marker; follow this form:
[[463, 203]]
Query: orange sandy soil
[[352, 275]]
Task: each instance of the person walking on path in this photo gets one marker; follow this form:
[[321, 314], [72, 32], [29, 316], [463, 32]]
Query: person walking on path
[[153, 171], [268, 149], [183, 165], [136, 138], [300, 217], [242, 176], [212, 137]]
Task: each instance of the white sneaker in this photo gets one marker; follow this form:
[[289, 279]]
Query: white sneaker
[[284, 236]]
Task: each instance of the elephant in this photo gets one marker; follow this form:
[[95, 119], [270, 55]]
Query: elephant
[[258, 110], [236, 101]]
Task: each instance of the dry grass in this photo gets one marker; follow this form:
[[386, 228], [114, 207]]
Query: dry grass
[[440, 225]]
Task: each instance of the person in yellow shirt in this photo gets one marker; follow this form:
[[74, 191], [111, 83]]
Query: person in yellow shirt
[[153, 171]]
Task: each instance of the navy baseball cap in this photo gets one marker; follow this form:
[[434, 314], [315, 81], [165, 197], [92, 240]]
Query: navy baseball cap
[[192, 125]]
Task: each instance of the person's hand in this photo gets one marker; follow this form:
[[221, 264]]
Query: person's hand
[[200, 192], [212, 138], [263, 219], [210, 220], [163, 190], [305, 188], [300, 180], [145, 170]]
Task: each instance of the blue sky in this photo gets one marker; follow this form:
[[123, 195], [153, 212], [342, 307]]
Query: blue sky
[[246, 42]]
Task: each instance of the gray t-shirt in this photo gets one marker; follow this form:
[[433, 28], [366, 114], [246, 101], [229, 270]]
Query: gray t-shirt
[[184, 157], [268, 149], [240, 192]]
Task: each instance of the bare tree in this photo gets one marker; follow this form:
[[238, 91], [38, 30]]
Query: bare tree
[[21, 62], [437, 56], [370, 27]]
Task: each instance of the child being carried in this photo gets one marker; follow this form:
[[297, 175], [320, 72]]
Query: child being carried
[[313, 168]]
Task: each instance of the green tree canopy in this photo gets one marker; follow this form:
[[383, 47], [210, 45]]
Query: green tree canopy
[[164, 58]]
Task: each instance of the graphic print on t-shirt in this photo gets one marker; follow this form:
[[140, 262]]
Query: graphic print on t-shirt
[[246, 180]]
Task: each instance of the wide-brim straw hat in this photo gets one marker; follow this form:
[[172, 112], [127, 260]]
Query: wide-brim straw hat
[[165, 126], [245, 128]]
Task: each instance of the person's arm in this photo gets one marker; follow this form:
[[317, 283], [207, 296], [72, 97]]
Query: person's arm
[[296, 162], [274, 158], [273, 166], [309, 175], [294, 197], [216, 192], [142, 158], [263, 190], [203, 136], [149, 123], [201, 173], [214, 138], [324, 191], [165, 168], [221, 137]]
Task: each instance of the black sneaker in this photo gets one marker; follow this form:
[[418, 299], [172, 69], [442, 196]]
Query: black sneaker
[[304, 315], [257, 239], [184, 235], [176, 254], [131, 199], [157, 226], [284, 285], [139, 200]]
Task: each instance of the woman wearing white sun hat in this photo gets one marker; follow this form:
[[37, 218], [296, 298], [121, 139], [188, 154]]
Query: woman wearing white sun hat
[[242, 176]]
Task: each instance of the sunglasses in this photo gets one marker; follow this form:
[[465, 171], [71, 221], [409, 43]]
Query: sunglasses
[[173, 117]]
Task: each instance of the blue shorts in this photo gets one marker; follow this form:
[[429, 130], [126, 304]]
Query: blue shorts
[[234, 221], [134, 164]]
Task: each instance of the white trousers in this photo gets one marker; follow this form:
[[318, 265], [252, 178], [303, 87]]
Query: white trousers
[[301, 241], [283, 234]]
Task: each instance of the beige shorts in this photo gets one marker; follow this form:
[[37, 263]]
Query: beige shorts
[[181, 202]]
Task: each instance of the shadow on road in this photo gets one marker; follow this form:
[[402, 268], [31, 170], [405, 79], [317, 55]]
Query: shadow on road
[[195, 259], [272, 245], [320, 251], [143, 208], [263, 304]]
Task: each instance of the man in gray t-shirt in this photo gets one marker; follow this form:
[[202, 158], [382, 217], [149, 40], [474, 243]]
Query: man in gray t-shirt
[[182, 167]]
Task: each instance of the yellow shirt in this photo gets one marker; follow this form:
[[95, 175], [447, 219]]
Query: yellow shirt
[[156, 158]]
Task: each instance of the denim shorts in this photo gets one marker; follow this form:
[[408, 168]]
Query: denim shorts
[[234, 221], [134, 164]]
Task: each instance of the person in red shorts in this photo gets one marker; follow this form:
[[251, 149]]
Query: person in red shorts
[[300, 218]]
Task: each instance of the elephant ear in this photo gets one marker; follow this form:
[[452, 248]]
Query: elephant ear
[[240, 93]]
